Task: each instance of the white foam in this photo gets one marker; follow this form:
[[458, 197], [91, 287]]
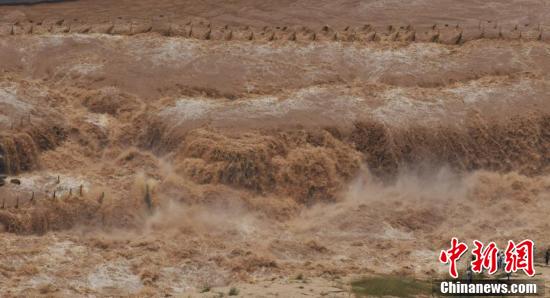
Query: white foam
[[99, 120], [114, 275], [8, 97]]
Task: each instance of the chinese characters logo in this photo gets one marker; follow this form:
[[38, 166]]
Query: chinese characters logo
[[516, 257]]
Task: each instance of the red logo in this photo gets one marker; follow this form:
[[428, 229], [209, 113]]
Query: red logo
[[520, 256], [452, 255], [517, 257], [485, 258]]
